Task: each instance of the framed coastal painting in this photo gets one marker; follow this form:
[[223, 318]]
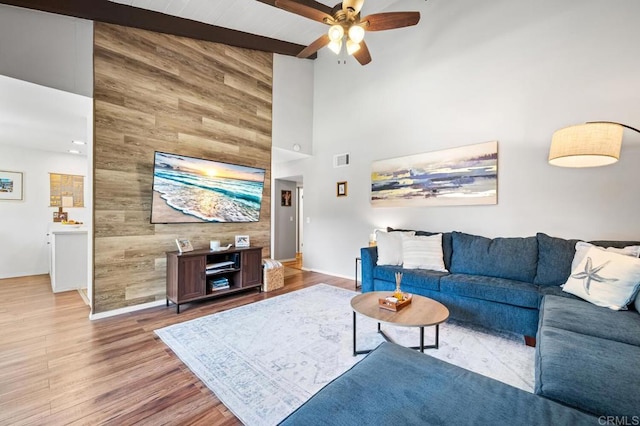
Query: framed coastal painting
[[466, 175], [10, 185]]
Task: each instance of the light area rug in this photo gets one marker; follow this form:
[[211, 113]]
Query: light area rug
[[265, 359]]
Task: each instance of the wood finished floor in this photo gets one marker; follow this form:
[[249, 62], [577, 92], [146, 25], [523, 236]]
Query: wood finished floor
[[57, 367]]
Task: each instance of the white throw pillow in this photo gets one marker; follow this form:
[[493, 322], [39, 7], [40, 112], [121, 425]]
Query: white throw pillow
[[421, 252], [582, 247], [390, 247], [605, 279]]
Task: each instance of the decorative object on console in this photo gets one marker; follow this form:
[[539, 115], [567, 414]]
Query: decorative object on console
[[10, 185], [605, 279], [346, 23], [593, 144], [184, 245], [341, 189], [466, 175], [242, 241]]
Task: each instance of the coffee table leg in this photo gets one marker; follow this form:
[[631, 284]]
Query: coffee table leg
[[422, 339], [354, 334], [437, 336]]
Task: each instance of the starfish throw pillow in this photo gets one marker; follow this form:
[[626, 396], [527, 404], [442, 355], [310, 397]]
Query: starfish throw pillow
[[605, 279]]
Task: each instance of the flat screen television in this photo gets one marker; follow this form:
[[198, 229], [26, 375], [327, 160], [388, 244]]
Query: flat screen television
[[188, 189]]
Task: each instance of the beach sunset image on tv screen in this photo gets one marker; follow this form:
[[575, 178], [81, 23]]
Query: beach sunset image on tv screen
[[188, 189]]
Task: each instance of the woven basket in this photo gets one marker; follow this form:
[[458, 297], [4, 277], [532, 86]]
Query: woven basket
[[273, 279]]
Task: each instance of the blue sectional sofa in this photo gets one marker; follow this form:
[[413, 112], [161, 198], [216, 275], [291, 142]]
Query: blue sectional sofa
[[587, 357], [398, 386], [498, 283]]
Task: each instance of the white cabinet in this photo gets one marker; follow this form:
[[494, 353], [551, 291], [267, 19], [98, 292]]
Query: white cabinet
[[68, 258]]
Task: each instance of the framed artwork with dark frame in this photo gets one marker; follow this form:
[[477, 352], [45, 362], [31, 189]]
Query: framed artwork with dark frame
[[10, 185], [285, 198], [341, 189]]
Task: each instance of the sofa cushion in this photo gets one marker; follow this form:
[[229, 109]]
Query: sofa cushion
[[581, 317], [447, 247], [398, 386], [593, 374], [422, 252], [554, 259], [421, 278], [501, 290], [510, 258], [555, 290], [605, 278]]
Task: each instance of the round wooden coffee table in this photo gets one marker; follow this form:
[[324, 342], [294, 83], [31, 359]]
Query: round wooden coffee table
[[422, 312]]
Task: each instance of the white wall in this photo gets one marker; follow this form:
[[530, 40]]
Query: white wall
[[508, 70], [292, 103], [24, 224]]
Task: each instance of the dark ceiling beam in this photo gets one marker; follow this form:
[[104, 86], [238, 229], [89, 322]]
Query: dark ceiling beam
[[311, 3], [120, 14]]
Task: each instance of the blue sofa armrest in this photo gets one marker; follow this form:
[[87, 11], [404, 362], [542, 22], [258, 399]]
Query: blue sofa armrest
[[369, 256]]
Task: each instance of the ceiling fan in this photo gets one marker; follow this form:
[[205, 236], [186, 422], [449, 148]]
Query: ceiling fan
[[345, 22]]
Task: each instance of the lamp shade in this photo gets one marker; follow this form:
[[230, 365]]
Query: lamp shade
[[586, 145]]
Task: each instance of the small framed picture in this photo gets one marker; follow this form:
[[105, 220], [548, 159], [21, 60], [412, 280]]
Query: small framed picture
[[242, 241], [10, 185], [285, 198], [341, 189], [184, 245]]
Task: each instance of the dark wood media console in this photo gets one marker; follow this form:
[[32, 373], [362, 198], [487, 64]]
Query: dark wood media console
[[205, 274]]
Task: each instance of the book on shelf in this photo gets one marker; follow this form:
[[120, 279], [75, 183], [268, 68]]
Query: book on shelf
[[219, 288], [219, 284]]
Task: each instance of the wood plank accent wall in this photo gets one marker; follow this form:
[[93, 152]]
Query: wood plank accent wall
[[158, 92]]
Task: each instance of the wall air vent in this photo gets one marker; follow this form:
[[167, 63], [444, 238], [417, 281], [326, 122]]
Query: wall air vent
[[341, 160]]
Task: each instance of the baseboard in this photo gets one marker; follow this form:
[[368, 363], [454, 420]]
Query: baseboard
[[333, 274], [287, 260], [126, 310]]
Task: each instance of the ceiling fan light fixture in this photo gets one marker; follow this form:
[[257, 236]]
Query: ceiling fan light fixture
[[352, 47], [335, 46], [356, 33], [336, 32]]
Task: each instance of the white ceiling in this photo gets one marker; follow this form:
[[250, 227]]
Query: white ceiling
[[38, 117], [251, 16]]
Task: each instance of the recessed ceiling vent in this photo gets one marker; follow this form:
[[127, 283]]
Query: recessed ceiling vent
[[341, 160]]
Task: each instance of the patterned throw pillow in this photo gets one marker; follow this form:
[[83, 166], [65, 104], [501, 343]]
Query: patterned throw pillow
[[390, 247], [420, 252], [605, 278], [582, 247]]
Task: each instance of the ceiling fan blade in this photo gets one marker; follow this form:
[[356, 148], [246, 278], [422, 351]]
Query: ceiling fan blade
[[315, 46], [304, 10], [362, 55], [355, 5], [389, 20]]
